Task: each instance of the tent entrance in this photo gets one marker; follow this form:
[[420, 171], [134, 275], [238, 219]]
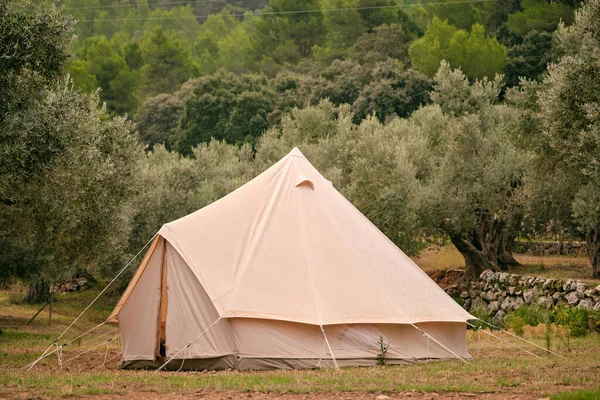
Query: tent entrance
[[161, 349]]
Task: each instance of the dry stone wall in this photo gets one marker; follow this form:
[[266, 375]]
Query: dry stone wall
[[501, 292], [550, 248]]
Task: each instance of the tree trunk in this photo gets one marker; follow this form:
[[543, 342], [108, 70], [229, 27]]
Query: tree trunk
[[505, 255], [39, 291], [592, 240], [487, 246], [477, 260]]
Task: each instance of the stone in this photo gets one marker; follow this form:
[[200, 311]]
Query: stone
[[511, 303], [567, 286], [477, 304], [597, 290], [467, 304], [589, 293], [518, 293], [481, 285], [580, 289], [487, 275], [382, 397], [545, 301], [511, 290], [512, 279], [572, 298], [585, 303], [597, 306], [558, 295], [529, 295], [452, 290], [547, 284], [498, 318], [475, 293], [502, 277], [464, 295], [493, 306], [489, 295]]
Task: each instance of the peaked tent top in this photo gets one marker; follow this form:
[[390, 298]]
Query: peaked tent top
[[288, 246]]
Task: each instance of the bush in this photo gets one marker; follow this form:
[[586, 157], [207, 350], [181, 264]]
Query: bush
[[532, 315], [575, 320], [483, 314]]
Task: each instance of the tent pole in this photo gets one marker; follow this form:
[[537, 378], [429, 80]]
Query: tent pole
[[329, 347], [443, 346]]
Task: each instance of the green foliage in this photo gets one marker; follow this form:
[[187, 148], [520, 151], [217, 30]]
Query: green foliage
[[386, 41], [100, 64], [539, 15], [570, 117], [575, 320], [226, 107], [531, 315], [383, 349], [482, 316], [67, 167], [158, 117], [34, 47], [528, 59], [167, 62], [474, 52]]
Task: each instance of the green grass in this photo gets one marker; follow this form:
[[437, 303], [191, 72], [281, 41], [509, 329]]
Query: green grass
[[578, 395]]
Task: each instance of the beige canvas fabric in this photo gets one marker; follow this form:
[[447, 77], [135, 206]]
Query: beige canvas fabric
[[138, 317], [259, 270], [289, 236]]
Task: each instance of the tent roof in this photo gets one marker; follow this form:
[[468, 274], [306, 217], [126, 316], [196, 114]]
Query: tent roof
[[288, 246]]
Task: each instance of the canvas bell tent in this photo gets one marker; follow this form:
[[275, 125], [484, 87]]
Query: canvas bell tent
[[282, 273]]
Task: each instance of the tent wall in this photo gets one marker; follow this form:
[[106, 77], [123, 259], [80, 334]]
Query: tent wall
[[254, 343], [138, 317], [282, 340], [190, 312], [268, 344]]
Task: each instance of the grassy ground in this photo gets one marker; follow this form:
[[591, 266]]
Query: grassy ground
[[497, 371], [556, 266]]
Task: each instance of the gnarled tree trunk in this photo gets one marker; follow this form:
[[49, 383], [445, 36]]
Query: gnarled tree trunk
[[592, 240], [488, 246], [39, 291]]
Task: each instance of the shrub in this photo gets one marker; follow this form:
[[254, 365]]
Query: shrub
[[383, 348], [483, 314], [532, 315], [575, 320]]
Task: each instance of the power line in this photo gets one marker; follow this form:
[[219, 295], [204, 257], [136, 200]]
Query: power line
[[259, 13], [137, 5]]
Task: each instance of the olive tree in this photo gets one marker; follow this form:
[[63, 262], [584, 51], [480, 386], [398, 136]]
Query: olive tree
[[473, 171], [569, 110], [67, 167]]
